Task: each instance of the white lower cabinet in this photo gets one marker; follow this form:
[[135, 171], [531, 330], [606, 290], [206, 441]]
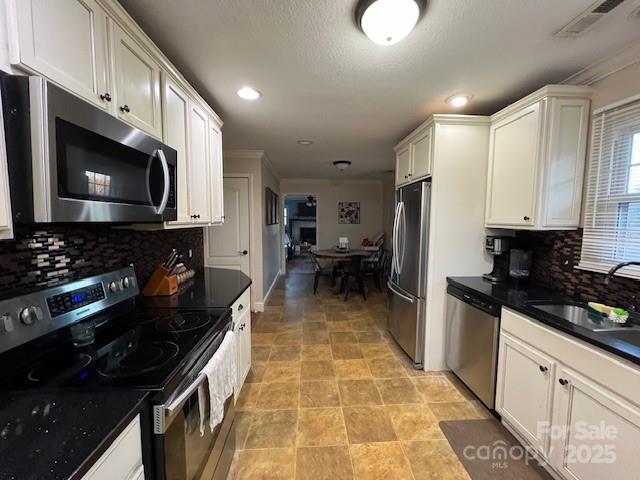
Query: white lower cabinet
[[582, 413], [599, 432], [525, 389], [6, 221], [123, 459], [241, 313]]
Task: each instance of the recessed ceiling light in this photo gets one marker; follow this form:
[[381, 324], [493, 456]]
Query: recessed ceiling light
[[249, 93], [305, 142], [458, 101], [387, 22], [342, 164]]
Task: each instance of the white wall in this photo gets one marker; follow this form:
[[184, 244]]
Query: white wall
[[271, 249], [388, 206], [329, 193], [621, 84]]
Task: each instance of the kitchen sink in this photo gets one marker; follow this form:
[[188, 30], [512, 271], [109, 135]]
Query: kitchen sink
[[580, 315]]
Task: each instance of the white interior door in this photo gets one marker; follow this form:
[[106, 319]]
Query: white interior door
[[228, 245]]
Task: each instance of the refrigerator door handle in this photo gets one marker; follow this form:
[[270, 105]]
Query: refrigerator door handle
[[401, 295], [402, 222], [394, 239]]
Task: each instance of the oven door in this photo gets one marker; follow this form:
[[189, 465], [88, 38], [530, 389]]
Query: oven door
[[92, 167], [181, 452]]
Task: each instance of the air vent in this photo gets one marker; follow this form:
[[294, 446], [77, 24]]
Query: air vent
[[588, 18]]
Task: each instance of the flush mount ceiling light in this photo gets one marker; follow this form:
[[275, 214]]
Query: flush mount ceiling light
[[342, 164], [387, 22], [311, 202], [305, 142], [249, 93], [458, 100]]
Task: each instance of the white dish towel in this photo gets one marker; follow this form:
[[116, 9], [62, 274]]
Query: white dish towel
[[221, 373]]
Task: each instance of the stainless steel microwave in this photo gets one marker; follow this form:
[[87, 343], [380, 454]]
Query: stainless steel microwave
[[69, 161]]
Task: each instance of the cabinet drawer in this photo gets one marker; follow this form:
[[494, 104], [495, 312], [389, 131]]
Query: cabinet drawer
[[241, 305], [123, 459]]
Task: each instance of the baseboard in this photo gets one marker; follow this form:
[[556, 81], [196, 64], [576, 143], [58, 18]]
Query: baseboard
[[258, 307], [269, 292]]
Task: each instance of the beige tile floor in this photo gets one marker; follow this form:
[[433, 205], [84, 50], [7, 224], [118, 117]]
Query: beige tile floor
[[330, 396]]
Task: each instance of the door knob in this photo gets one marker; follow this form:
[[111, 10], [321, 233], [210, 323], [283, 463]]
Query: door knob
[[106, 97], [125, 108], [543, 369], [563, 382], [526, 219], [244, 252]]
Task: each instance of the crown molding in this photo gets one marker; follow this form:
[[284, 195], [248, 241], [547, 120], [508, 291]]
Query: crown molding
[[602, 69], [325, 181], [267, 160], [244, 153]]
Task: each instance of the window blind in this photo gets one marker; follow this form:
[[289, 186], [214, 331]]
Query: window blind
[[612, 209]]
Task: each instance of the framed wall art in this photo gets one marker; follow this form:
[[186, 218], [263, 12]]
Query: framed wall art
[[349, 212]]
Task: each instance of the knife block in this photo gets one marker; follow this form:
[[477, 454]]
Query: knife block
[[161, 283]]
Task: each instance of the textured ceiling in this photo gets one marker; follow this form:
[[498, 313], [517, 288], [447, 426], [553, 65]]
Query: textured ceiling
[[322, 79]]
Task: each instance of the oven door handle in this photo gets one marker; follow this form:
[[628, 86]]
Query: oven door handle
[[167, 181], [179, 401]]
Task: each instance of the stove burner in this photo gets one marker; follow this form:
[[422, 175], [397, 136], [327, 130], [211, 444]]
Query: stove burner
[[53, 370], [183, 322], [142, 318], [129, 356]]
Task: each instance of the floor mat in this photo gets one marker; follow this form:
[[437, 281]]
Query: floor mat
[[490, 452]]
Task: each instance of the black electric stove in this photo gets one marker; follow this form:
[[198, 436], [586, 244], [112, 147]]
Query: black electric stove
[[97, 334]]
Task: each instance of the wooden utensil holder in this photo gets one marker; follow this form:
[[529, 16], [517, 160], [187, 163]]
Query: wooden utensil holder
[[161, 283]]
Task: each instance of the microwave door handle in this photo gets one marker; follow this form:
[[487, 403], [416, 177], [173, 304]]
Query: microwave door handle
[[167, 181]]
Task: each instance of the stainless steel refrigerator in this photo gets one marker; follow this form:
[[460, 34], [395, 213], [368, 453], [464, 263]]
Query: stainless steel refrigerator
[[408, 279]]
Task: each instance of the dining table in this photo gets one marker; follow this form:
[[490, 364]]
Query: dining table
[[354, 257]]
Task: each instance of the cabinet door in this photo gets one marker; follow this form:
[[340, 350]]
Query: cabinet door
[[524, 390], [513, 167], [6, 221], [596, 432], [243, 338], [137, 84], [64, 40], [175, 122], [216, 175], [199, 184], [565, 160], [403, 165], [421, 157]]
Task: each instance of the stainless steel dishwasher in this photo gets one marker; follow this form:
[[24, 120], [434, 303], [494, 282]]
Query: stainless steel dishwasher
[[472, 330]]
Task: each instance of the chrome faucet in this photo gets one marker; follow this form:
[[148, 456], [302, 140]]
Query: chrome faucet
[[616, 268]]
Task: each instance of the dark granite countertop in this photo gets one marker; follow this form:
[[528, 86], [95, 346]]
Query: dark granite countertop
[[212, 288], [60, 435], [519, 296]]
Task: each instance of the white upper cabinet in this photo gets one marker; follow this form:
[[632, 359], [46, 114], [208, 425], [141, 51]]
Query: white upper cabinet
[[64, 40], [176, 135], [537, 154], [137, 81], [403, 165], [414, 155], [95, 50], [199, 171], [215, 168]]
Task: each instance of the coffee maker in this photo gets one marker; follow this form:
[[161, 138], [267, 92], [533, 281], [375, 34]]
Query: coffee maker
[[498, 247]]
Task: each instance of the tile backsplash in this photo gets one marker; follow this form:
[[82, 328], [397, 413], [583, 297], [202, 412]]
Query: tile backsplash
[[47, 255], [556, 253]]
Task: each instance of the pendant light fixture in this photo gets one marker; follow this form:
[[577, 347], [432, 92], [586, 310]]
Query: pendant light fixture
[[387, 22], [311, 202]]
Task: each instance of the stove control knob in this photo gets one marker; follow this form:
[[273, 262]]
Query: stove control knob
[[113, 286], [6, 324], [126, 283], [29, 315]]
